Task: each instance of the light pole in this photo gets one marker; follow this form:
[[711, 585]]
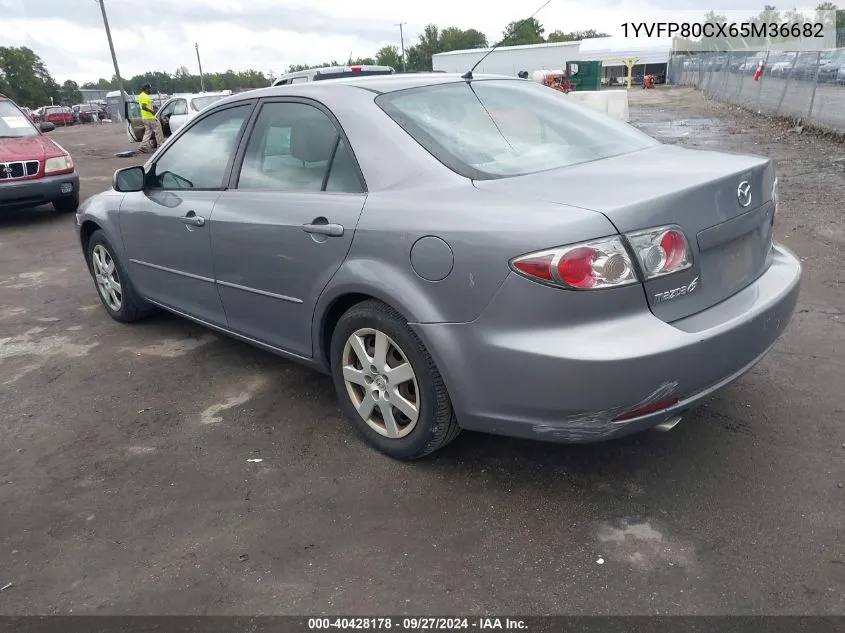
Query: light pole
[[122, 112], [199, 63], [402, 42]]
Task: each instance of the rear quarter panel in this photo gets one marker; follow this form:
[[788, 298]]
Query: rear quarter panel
[[483, 233]]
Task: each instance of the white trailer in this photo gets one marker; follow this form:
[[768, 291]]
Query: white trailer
[[508, 60]]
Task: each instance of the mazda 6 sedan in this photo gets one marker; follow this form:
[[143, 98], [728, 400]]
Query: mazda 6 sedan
[[478, 254]]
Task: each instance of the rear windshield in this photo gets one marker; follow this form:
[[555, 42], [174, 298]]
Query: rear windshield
[[499, 128], [14, 123], [198, 103]]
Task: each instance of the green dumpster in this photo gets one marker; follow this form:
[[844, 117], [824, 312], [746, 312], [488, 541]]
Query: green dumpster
[[587, 77]]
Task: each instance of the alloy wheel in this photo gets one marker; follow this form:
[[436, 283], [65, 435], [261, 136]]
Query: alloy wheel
[[107, 278], [381, 383]]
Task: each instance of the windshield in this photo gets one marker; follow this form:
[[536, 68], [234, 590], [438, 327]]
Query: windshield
[[198, 103], [14, 123], [499, 128]]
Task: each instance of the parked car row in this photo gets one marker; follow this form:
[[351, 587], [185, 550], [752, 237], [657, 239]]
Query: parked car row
[[88, 113], [829, 67], [66, 115]]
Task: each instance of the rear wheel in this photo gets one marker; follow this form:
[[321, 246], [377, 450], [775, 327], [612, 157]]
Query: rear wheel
[[67, 205], [388, 384], [116, 292]]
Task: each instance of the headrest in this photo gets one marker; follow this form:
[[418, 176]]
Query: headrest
[[312, 140]]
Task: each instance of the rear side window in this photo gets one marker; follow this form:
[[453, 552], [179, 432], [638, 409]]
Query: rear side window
[[498, 128], [296, 147]]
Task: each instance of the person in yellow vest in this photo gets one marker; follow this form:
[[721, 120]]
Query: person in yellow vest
[[152, 127]]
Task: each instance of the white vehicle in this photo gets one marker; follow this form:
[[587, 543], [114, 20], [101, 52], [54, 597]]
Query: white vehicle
[[332, 72], [172, 114]]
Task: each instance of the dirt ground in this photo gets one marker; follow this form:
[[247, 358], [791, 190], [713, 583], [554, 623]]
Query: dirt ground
[[125, 484]]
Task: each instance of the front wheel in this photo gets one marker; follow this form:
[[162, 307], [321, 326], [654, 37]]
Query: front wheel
[[113, 284], [388, 384]]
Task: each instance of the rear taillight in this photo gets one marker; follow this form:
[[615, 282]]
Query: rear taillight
[[661, 251], [606, 263], [589, 265]]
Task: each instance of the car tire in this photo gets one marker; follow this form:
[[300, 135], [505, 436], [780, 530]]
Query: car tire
[[358, 387], [67, 205], [119, 298]]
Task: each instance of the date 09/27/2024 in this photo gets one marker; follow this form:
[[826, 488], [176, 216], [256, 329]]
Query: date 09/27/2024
[[417, 623]]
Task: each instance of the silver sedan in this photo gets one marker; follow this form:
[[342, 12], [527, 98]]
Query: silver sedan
[[476, 254]]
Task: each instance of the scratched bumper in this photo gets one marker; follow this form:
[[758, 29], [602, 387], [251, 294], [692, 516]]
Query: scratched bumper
[[529, 367]]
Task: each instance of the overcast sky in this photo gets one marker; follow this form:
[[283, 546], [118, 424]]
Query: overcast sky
[[272, 34]]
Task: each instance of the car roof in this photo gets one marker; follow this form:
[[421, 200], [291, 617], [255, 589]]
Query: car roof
[[378, 84]]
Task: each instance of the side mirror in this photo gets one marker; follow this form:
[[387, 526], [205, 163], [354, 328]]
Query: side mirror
[[46, 126], [129, 179]]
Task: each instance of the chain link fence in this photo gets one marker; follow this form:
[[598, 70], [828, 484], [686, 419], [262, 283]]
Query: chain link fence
[[804, 85]]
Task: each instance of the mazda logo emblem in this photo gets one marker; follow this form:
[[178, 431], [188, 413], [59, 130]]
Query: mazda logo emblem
[[743, 193]]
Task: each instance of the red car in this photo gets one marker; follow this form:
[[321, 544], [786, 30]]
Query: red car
[[57, 115], [34, 169]]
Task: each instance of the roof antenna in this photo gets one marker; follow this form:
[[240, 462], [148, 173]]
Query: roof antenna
[[468, 74]]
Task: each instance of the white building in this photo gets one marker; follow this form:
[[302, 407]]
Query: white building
[[651, 56], [508, 60]]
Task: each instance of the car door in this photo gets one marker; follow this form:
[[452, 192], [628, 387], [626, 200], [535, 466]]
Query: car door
[[134, 122], [165, 228], [179, 116], [285, 224]]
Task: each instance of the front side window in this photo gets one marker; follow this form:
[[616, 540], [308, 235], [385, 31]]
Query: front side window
[[294, 147], [498, 128], [14, 123], [180, 107], [199, 157]]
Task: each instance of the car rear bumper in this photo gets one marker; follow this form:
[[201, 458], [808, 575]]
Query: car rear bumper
[[32, 193], [569, 382]]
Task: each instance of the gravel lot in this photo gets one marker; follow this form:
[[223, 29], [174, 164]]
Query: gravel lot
[[125, 485]]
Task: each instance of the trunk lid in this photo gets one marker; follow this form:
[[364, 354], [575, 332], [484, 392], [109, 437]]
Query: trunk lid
[[696, 190]]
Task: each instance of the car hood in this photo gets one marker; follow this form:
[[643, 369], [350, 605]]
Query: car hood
[[27, 148]]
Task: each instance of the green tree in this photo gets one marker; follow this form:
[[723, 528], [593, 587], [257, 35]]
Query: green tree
[[25, 79], [574, 36], [389, 56], [455, 39], [433, 41], [521, 32], [70, 94]]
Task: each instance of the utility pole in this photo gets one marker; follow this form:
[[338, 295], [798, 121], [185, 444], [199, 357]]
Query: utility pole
[[402, 41], [122, 113], [199, 63]]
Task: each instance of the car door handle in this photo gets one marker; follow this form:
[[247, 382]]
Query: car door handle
[[332, 230], [193, 219]]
